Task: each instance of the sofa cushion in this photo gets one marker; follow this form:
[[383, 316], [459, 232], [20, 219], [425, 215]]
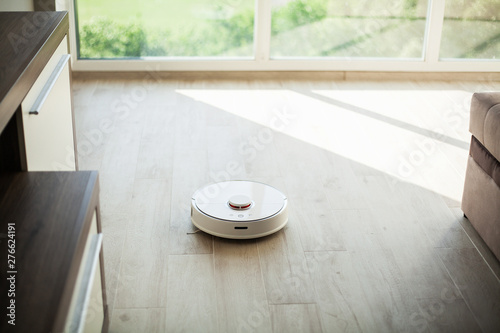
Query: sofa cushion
[[481, 119], [492, 131]]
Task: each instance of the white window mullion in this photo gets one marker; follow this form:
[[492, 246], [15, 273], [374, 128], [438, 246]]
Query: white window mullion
[[434, 31], [69, 6], [262, 30]]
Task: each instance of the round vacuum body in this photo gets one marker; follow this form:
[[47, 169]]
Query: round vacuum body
[[239, 209]]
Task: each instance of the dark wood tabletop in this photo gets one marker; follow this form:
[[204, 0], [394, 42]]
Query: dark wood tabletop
[[46, 218], [27, 41]]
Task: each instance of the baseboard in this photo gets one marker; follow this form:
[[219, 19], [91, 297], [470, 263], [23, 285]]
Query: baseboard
[[488, 256], [290, 75]]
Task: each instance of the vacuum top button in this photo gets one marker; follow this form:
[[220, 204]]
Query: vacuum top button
[[240, 202]]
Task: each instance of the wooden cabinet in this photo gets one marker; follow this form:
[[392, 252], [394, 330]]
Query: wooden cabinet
[[35, 92], [53, 217], [58, 268]]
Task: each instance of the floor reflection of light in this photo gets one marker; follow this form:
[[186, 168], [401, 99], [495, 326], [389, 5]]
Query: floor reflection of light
[[401, 133]]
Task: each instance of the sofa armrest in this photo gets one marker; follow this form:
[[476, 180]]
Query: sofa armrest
[[485, 120]]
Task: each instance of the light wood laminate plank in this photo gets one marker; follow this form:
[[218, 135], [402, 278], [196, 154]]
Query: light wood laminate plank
[[122, 150], [241, 296], [478, 242], [444, 314], [424, 273], [225, 162], [258, 151], [145, 251], [138, 320], [189, 174], [362, 291], [284, 267], [116, 209], [300, 318], [479, 286], [337, 291], [192, 303], [157, 144]]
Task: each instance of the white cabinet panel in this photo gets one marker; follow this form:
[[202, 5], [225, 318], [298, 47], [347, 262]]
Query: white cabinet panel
[[94, 314], [48, 118], [47, 71], [86, 314]]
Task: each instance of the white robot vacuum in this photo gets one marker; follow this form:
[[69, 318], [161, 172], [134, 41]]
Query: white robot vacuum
[[239, 209]]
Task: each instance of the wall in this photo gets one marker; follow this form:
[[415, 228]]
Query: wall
[[16, 5]]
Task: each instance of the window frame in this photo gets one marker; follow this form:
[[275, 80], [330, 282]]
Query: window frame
[[261, 61]]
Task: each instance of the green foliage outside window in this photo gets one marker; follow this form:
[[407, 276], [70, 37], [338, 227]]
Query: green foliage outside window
[[232, 35], [106, 38], [297, 13], [103, 38]]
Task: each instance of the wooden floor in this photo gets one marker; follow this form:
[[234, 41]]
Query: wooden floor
[[374, 172]]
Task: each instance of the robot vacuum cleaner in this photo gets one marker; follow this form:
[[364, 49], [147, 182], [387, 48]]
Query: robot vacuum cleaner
[[239, 209]]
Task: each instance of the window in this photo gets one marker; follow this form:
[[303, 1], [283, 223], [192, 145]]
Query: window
[[145, 28], [372, 29], [401, 35], [471, 29]]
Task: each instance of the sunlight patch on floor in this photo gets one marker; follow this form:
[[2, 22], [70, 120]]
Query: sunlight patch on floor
[[396, 132]]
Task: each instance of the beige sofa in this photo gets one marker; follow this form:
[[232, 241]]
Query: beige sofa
[[481, 198]]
